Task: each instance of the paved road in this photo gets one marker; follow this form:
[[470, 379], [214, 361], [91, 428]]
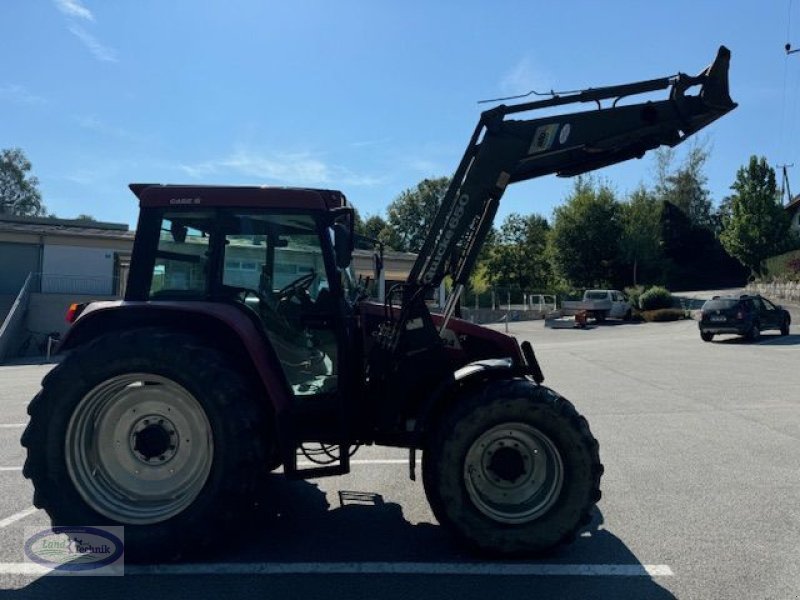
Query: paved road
[[700, 444]]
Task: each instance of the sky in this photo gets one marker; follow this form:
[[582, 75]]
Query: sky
[[368, 97]]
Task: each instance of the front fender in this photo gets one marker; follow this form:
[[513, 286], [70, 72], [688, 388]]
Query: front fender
[[224, 326], [469, 376]]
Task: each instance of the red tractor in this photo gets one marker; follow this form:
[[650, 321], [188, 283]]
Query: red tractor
[[244, 337]]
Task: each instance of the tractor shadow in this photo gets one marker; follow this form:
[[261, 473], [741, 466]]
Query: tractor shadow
[[308, 525], [303, 524]]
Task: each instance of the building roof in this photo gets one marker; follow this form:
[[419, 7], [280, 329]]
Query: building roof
[[794, 204], [71, 227]]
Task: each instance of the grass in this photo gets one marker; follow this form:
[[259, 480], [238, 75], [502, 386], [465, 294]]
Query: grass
[[785, 267]]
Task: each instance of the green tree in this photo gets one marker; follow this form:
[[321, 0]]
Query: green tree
[[641, 233], [19, 190], [757, 226], [685, 187], [518, 257], [374, 227], [586, 235], [410, 215]]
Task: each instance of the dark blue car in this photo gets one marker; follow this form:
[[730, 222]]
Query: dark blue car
[[746, 315]]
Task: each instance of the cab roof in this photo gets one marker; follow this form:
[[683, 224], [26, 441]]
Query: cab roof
[[156, 195]]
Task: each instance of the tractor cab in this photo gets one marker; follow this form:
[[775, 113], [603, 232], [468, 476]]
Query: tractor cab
[[283, 257]]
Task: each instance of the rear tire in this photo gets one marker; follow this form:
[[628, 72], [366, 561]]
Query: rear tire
[[173, 499], [513, 470], [706, 336]]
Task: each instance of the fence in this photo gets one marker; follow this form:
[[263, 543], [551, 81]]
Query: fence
[[510, 299], [507, 304], [51, 283]]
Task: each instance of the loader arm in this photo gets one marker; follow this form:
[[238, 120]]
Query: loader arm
[[504, 151]]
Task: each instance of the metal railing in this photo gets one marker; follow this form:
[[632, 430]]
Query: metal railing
[[510, 299], [53, 283], [15, 319]]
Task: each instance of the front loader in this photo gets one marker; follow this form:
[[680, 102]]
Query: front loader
[[244, 341]]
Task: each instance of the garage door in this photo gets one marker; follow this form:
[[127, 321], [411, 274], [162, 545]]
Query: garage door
[[16, 261]]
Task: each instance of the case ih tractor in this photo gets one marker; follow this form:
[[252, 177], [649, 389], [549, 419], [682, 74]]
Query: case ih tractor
[[243, 338]]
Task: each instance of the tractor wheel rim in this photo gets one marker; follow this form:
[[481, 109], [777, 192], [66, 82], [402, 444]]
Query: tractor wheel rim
[[513, 473], [139, 448]]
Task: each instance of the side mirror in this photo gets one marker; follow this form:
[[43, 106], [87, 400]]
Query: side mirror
[[342, 245], [343, 239], [178, 232]]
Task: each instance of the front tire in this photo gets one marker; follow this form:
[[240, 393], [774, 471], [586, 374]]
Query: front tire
[[513, 470], [785, 327], [151, 430], [706, 336]]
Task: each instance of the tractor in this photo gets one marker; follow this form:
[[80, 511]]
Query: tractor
[[244, 339]]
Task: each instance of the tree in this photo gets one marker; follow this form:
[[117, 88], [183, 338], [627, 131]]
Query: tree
[[412, 212], [519, 255], [685, 187], [85, 217], [586, 235], [19, 190], [641, 234], [374, 227], [757, 226]]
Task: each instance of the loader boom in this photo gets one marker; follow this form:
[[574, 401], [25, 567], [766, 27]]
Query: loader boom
[[504, 151]]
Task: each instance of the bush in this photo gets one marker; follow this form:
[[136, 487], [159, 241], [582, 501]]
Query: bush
[[655, 298], [663, 314], [634, 293]]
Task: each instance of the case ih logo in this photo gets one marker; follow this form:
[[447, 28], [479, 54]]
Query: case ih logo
[[184, 200]]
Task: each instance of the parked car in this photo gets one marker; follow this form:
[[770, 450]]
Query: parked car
[[601, 304], [746, 315]]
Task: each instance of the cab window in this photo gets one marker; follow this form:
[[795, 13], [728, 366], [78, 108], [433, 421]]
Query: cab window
[[181, 263]]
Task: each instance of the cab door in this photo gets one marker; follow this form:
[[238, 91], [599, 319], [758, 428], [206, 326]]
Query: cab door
[[281, 267]]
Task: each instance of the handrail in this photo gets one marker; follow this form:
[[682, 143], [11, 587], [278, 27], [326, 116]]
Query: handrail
[[14, 318]]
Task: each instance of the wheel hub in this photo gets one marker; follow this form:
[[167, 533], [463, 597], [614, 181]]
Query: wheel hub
[[153, 438], [506, 463]]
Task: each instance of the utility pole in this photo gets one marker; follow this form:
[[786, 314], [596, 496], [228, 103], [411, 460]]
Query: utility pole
[[785, 181]]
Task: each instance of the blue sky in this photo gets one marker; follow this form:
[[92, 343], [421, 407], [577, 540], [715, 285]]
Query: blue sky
[[368, 97]]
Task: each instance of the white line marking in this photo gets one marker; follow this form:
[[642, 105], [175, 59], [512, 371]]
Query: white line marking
[[375, 568], [10, 468], [12, 425], [17, 517]]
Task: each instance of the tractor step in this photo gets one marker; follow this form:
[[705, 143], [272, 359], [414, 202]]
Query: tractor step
[[314, 472]]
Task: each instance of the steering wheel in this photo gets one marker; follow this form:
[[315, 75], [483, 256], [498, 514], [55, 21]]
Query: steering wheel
[[301, 283]]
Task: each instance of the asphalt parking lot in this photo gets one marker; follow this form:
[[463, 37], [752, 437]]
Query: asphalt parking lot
[[700, 492]]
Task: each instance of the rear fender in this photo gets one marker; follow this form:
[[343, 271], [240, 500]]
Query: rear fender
[[225, 327]]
